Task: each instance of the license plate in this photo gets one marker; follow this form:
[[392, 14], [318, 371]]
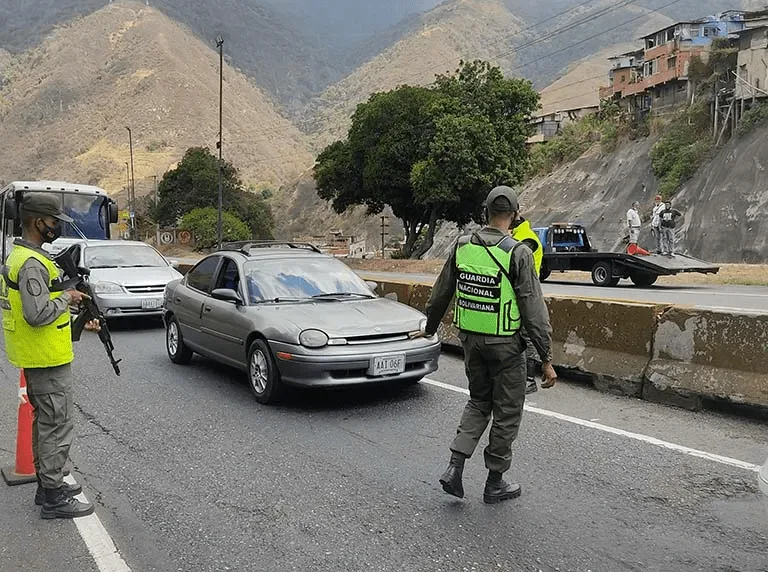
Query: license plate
[[151, 303], [387, 365]]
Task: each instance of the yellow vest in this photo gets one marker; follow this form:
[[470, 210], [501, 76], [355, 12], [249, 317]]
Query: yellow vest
[[28, 346], [522, 232]]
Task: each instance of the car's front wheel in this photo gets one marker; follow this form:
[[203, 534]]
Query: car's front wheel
[[174, 343], [263, 376]]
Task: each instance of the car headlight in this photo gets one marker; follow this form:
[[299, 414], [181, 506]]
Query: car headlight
[[107, 288], [313, 339]]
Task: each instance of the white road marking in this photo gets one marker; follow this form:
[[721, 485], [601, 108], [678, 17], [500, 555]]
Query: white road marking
[[732, 309], [98, 541], [605, 428]]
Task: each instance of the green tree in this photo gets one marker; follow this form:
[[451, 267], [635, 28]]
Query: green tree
[[255, 212], [433, 153], [194, 184], [203, 224]]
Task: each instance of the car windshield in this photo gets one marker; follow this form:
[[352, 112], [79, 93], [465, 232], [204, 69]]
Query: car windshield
[[122, 256], [301, 279]]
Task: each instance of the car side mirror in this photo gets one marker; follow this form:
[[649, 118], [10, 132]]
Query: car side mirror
[[391, 296], [372, 285], [227, 295]]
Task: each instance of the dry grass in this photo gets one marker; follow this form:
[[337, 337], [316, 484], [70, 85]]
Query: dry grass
[[67, 102], [730, 274]]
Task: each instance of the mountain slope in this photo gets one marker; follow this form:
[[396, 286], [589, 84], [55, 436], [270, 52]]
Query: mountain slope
[[65, 105], [290, 63], [460, 29]]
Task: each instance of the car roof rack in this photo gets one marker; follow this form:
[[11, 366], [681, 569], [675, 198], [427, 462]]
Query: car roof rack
[[245, 246]]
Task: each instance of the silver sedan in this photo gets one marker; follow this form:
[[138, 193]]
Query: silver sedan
[[128, 278], [288, 314]]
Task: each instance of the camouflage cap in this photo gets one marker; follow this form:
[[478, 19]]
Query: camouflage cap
[[44, 204]]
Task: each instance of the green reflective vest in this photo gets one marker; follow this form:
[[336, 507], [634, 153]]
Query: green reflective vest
[[522, 232], [28, 346], [485, 300]]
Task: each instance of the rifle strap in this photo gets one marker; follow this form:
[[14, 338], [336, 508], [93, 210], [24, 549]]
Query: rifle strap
[[504, 271], [6, 276]]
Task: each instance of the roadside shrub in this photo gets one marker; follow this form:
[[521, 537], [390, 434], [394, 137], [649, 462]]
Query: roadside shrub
[[753, 118], [203, 224], [682, 149]]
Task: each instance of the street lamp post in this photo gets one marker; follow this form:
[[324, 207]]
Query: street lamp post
[[128, 187], [220, 45], [132, 189]]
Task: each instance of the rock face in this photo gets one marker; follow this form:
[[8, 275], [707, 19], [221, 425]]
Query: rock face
[[725, 204]]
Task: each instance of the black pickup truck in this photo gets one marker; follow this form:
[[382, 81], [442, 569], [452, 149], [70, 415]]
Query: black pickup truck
[[567, 247]]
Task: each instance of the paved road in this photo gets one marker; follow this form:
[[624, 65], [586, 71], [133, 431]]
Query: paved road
[[747, 299], [191, 474]]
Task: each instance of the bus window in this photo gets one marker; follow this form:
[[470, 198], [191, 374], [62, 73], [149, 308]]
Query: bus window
[[90, 215]]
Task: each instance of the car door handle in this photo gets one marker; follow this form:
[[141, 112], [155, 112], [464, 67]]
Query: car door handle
[[177, 300], [207, 308]]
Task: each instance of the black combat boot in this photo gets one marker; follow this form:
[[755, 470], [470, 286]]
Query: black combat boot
[[530, 386], [497, 489], [71, 490], [451, 479], [59, 504]]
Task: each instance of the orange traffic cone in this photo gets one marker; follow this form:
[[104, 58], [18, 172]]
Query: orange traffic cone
[[24, 471]]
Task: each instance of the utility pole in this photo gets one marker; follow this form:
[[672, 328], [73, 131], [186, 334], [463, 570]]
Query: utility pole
[[220, 45], [157, 224], [132, 190], [384, 226], [128, 188]]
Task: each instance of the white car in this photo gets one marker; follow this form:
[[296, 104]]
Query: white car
[[128, 278]]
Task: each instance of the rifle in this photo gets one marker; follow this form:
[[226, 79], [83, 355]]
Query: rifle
[[77, 278]]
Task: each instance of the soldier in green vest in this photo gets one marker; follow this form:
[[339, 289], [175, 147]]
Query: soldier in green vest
[[497, 293], [522, 232], [38, 340]]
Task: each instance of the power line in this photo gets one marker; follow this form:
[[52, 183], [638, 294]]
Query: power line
[[563, 13], [587, 39], [566, 99], [586, 79], [568, 27]]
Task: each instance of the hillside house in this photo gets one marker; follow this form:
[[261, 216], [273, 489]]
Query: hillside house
[[657, 80], [548, 126], [752, 68]]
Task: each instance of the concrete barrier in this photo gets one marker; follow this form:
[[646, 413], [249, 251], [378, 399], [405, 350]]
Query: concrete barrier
[[661, 353], [700, 354], [607, 342]]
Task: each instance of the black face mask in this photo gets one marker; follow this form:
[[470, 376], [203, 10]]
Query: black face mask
[[50, 233]]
